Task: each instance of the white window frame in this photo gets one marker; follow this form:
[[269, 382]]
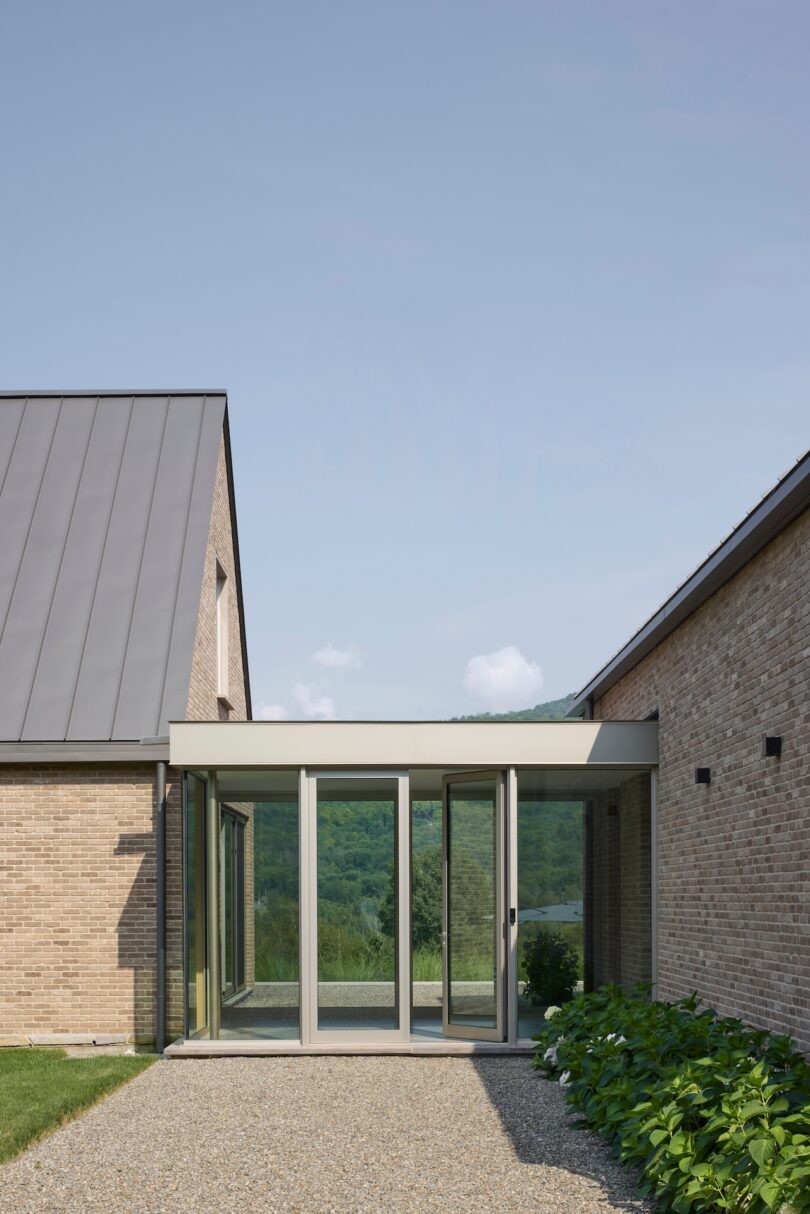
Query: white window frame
[[222, 635]]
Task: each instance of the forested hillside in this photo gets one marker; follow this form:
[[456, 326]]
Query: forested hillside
[[551, 710]]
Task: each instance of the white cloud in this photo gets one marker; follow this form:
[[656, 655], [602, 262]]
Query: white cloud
[[503, 679], [333, 658], [271, 712], [313, 703]]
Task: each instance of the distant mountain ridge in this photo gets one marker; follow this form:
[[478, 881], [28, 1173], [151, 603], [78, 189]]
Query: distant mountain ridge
[[551, 710]]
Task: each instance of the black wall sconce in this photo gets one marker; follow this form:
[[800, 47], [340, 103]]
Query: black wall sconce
[[703, 775], [772, 746]]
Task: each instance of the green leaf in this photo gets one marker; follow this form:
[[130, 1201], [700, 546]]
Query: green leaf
[[771, 1193], [754, 1108], [761, 1150]]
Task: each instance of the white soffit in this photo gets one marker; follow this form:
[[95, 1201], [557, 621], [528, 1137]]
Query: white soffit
[[404, 744]]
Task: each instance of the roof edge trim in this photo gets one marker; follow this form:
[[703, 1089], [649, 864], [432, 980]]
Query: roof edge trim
[[226, 429], [59, 395], [84, 752]]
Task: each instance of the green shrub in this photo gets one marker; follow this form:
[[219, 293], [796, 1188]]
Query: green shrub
[[716, 1116], [551, 969]]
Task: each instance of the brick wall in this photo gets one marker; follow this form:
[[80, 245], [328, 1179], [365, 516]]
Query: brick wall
[[202, 696], [77, 899], [734, 856]]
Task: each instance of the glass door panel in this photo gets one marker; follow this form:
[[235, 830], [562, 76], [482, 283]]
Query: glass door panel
[[473, 906], [357, 827], [232, 902]]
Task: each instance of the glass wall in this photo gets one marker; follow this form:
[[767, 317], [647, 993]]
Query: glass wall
[[584, 885], [582, 904], [426, 905], [357, 903], [259, 913], [474, 916], [195, 906]]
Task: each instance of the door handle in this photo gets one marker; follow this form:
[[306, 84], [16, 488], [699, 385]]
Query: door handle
[[512, 916]]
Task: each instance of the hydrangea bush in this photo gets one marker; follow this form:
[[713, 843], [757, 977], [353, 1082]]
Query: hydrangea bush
[[715, 1116]]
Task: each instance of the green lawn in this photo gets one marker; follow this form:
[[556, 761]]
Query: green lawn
[[41, 1089]]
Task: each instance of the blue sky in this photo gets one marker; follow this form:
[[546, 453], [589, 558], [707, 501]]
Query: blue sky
[[510, 299]]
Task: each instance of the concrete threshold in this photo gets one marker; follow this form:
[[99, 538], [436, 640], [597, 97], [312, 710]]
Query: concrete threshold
[[261, 1049]]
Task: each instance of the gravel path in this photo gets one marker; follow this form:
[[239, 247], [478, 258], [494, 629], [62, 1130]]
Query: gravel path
[[323, 1134]]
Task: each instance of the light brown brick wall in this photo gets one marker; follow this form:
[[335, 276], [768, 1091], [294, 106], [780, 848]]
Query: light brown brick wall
[[202, 697], [734, 856], [77, 899]]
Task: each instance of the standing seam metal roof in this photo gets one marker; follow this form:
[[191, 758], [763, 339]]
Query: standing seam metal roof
[[105, 507]]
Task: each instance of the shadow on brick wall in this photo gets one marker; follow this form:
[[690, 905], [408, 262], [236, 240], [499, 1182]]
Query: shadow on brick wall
[[136, 932]]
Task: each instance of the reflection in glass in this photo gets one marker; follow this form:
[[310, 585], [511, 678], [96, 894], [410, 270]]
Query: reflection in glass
[[584, 892], [195, 905], [266, 1001], [356, 828], [473, 922], [427, 979], [550, 907], [227, 909]]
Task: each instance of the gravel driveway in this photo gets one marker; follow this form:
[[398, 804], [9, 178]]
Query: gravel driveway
[[323, 1134]]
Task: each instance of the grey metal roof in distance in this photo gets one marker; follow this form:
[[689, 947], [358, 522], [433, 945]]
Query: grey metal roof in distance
[[105, 505], [789, 498]]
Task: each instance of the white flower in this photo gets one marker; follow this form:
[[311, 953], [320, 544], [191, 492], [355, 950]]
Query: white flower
[[550, 1012], [566, 1075], [551, 1054]]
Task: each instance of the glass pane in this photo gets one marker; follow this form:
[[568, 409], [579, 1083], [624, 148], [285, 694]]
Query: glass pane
[[583, 885], [427, 978], [473, 922], [356, 830], [195, 906], [227, 906], [268, 1000], [550, 907]]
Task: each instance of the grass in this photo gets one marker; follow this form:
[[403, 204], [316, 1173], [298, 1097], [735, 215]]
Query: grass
[[42, 1089], [357, 967]]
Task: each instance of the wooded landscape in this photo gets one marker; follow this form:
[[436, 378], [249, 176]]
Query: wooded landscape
[[356, 874]]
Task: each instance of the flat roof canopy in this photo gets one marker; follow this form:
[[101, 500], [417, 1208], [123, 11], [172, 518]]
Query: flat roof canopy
[[405, 744]]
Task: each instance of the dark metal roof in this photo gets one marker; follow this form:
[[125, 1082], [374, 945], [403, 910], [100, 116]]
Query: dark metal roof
[[105, 506], [789, 498]]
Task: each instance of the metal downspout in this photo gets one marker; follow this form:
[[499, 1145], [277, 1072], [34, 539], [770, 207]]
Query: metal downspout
[[160, 901]]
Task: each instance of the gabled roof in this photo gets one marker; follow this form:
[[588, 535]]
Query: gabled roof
[[105, 505], [789, 498]]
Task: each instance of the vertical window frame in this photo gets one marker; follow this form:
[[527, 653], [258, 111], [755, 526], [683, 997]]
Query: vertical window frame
[[222, 629]]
